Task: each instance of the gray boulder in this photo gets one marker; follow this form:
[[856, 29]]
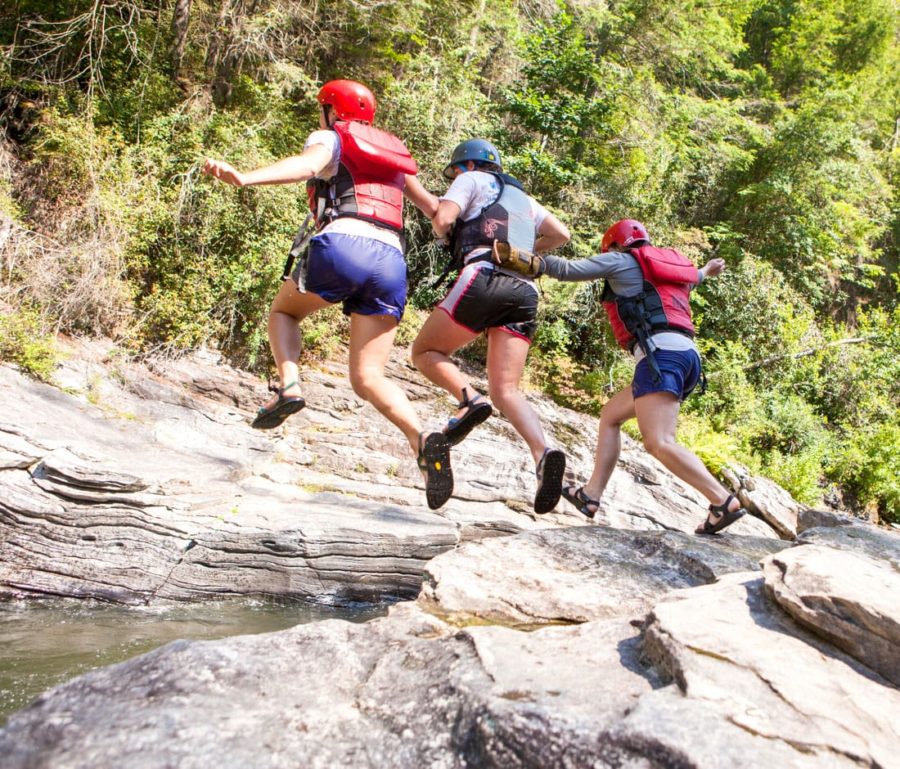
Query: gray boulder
[[847, 598], [578, 575], [844, 532], [141, 482], [729, 648]]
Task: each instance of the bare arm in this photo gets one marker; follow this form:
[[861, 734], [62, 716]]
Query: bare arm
[[297, 168], [420, 197], [551, 234], [447, 213], [712, 268]]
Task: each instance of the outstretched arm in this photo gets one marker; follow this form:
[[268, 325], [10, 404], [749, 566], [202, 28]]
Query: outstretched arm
[[297, 168], [551, 234], [606, 265], [712, 268], [421, 198]]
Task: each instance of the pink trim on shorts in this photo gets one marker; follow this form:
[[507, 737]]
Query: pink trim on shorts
[[462, 292], [508, 330]]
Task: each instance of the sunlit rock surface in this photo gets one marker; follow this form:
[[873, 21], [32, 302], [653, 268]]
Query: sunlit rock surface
[[533, 641]]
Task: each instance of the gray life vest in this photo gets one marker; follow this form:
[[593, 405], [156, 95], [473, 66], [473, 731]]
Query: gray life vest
[[507, 219]]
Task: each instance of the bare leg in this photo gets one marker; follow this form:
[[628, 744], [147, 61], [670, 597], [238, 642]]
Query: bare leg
[[431, 350], [615, 412], [657, 415], [288, 309], [505, 364], [371, 339]]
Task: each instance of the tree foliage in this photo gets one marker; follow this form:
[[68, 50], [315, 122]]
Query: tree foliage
[[763, 131]]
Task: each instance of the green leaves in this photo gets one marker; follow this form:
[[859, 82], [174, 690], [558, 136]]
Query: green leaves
[[762, 131]]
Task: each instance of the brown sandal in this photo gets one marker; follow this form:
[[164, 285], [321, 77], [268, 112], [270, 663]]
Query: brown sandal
[[726, 517], [575, 495]]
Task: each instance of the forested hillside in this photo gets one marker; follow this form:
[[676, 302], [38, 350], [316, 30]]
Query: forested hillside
[[763, 131]]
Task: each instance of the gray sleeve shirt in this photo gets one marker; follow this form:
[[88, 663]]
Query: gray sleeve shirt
[[621, 270]]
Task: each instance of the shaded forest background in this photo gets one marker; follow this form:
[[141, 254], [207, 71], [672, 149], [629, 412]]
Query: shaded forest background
[[763, 131]]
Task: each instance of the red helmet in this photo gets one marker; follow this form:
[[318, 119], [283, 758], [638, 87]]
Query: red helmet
[[623, 233], [351, 100]]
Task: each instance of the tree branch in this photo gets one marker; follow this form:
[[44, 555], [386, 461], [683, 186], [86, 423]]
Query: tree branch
[[810, 351]]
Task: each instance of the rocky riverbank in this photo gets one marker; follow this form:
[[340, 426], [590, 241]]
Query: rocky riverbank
[[518, 641]]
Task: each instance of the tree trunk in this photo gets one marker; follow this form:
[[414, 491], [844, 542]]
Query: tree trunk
[[181, 17]]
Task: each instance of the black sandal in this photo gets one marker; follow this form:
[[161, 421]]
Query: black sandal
[[270, 418], [477, 411], [575, 495], [434, 461], [550, 472], [726, 517]]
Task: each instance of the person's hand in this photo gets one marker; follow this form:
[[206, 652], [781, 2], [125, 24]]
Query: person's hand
[[223, 171], [712, 268]]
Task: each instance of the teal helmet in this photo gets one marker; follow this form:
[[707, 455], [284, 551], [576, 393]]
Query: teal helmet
[[479, 150]]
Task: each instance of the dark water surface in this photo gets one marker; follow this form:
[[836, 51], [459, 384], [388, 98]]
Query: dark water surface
[[44, 643]]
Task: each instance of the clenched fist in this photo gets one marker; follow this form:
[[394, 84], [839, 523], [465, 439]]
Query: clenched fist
[[223, 171]]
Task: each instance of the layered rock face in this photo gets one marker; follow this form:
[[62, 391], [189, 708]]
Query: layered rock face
[[531, 642]]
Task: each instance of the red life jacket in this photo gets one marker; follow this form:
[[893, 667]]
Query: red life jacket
[[369, 181], [664, 302]]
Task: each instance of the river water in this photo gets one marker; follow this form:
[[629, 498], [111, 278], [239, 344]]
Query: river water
[[43, 643]]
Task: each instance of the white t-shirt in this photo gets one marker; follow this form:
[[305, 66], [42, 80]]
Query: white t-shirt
[[474, 190], [346, 225]]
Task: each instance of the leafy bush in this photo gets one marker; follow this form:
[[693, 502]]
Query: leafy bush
[[25, 342], [759, 132], [867, 464]]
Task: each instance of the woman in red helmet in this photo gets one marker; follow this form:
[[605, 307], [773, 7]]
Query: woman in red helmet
[[356, 178], [647, 299]]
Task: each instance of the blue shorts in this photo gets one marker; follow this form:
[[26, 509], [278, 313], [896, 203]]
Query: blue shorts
[[680, 373], [366, 275]]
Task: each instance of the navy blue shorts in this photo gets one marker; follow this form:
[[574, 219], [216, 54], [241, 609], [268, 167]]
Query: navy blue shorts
[[484, 298], [680, 373], [366, 275]]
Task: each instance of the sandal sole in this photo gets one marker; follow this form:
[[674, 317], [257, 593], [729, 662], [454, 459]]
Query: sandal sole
[[272, 418], [477, 414], [439, 474], [550, 485]]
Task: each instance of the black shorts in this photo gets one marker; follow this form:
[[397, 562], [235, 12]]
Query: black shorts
[[484, 298]]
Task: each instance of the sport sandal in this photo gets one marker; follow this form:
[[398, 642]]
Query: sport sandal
[[434, 461], [575, 495], [272, 417], [550, 471], [725, 517], [477, 411]]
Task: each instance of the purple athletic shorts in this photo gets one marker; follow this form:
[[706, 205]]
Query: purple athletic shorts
[[366, 275]]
